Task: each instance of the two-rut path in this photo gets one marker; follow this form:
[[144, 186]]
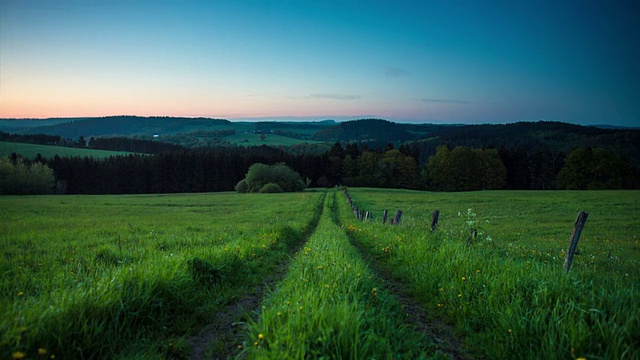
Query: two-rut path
[[230, 325]]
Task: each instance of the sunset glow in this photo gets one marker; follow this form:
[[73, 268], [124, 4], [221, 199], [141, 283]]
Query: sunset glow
[[427, 61]]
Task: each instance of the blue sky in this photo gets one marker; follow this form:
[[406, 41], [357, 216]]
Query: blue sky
[[422, 61]]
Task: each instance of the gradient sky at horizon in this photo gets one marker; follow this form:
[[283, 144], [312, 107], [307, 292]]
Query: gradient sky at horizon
[[423, 61]]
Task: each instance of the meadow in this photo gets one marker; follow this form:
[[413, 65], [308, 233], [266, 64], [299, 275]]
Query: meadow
[[506, 293], [135, 276], [132, 276], [49, 151]]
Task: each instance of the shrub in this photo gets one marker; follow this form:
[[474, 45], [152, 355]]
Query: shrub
[[260, 174], [271, 188], [242, 186]]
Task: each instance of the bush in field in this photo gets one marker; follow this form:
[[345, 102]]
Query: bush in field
[[280, 174], [271, 188], [20, 178], [242, 186]]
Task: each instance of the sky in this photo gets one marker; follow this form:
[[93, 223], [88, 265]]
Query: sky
[[406, 61]]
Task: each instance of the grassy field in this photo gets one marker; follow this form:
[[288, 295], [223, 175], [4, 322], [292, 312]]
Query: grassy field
[[250, 139], [506, 293], [49, 151], [332, 306], [135, 276], [128, 276]]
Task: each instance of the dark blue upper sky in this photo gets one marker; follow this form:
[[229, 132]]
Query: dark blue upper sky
[[425, 61]]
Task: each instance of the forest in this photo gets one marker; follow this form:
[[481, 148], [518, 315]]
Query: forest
[[366, 153], [221, 168]]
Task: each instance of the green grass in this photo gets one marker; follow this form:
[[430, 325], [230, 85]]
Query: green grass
[[134, 276], [49, 151], [250, 139], [507, 293], [108, 276], [332, 306]]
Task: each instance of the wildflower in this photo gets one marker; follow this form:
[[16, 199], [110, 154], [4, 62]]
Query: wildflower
[[359, 275], [240, 347], [320, 267], [326, 286], [255, 343], [18, 355], [459, 295], [42, 351], [440, 305], [464, 278], [279, 314], [478, 271], [20, 293], [260, 336], [509, 331]]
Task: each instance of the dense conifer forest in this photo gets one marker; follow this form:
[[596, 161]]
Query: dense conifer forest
[[370, 152]]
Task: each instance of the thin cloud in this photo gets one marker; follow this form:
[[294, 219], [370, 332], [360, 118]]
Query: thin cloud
[[444, 101], [392, 71], [335, 96]]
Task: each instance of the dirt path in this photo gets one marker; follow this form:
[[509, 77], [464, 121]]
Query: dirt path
[[220, 339], [441, 333]]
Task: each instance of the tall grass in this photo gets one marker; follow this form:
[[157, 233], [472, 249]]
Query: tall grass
[[331, 305], [505, 297], [133, 290]]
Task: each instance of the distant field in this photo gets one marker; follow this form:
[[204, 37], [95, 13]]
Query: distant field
[[49, 151], [243, 139]]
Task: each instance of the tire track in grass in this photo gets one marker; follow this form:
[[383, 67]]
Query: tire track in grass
[[219, 339], [443, 334], [331, 305]]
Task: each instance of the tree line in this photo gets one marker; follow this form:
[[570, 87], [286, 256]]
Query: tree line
[[447, 169]]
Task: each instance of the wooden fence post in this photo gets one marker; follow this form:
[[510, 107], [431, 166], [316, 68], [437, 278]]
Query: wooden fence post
[[473, 234], [573, 245], [384, 216], [434, 220], [398, 216]]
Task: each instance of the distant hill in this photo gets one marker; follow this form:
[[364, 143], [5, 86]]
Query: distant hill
[[367, 130], [121, 125], [532, 136], [197, 132]]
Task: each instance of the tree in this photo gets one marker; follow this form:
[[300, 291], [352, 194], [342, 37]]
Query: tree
[[465, 169], [402, 170], [18, 177], [594, 169]]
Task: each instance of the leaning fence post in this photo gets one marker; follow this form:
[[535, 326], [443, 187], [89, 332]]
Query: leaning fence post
[[384, 216], [434, 220], [398, 216], [573, 245]]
